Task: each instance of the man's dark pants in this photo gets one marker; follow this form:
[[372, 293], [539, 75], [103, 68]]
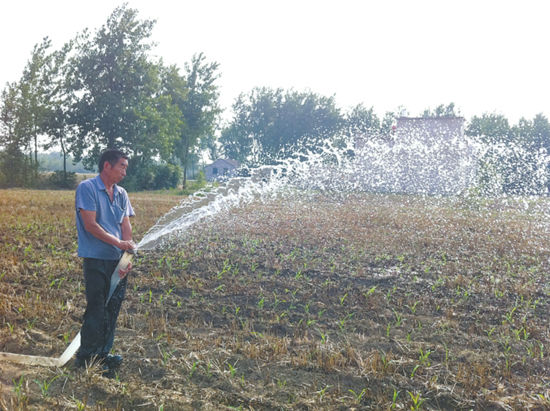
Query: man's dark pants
[[98, 328]]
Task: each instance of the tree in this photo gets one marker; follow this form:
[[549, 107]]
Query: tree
[[117, 92], [511, 162], [24, 114], [361, 121], [236, 143], [8, 114], [31, 105], [57, 104], [535, 133], [12, 160], [199, 106], [490, 128], [442, 111], [268, 121]]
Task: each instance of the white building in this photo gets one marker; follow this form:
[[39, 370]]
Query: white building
[[221, 168]]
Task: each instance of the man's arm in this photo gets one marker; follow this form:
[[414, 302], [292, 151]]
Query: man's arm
[[126, 227], [91, 225]]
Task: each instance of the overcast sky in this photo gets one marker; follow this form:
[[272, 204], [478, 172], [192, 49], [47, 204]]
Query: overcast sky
[[484, 55]]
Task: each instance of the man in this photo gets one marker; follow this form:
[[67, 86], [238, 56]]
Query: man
[[103, 212]]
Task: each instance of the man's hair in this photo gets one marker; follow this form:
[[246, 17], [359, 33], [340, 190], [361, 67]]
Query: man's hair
[[112, 156]]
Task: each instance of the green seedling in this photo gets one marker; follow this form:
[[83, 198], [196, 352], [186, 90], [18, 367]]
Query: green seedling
[[18, 387], [45, 385], [509, 315], [416, 401], [343, 298], [371, 291], [281, 383], [232, 368], [321, 393], [358, 396], [398, 318], [413, 307], [193, 369], [394, 399], [423, 358]]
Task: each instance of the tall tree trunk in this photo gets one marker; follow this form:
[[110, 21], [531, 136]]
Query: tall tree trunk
[[64, 160], [185, 159], [35, 157]]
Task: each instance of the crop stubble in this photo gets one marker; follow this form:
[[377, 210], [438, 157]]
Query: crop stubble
[[373, 301]]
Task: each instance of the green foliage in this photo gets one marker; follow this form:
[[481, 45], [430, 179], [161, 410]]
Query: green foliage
[[13, 167], [515, 158], [201, 178], [362, 121], [441, 111], [117, 92], [151, 176], [60, 179], [266, 121], [490, 128], [54, 161], [198, 105]]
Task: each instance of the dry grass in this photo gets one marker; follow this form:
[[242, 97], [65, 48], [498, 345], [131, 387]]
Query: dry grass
[[372, 302]]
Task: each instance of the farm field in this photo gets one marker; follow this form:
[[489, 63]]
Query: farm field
[[363, 302]]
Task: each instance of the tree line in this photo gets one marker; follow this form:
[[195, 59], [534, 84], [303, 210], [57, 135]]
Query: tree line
[[103, 89]]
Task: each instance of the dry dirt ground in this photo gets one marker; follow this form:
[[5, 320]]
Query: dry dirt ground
[[362, 302]]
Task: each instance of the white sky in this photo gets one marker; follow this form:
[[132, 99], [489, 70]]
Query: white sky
[[483, 55]]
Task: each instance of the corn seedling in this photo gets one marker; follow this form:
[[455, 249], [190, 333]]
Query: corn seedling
[[193, 369], [343, 298], [45, 385], [18, 387], [416, 401], [232, 368], [394, 399], [413, 307], [398, 318], [358, 396], [321, 393]]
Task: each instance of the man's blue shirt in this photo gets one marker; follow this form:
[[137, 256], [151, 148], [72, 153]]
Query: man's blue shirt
[[91, 195]]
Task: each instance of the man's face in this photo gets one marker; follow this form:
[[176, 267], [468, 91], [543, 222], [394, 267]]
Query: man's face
[[118, 171]]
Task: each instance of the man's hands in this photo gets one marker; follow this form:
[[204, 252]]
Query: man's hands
[[124, 273], [126, 245]]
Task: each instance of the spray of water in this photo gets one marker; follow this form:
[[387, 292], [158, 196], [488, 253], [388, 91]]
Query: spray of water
[[418, 165]]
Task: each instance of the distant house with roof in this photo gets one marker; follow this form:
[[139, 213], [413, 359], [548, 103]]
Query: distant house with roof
[[221, 168], [425, 155]]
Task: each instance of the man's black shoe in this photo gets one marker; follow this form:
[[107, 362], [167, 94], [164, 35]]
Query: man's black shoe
[[113, 361]]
